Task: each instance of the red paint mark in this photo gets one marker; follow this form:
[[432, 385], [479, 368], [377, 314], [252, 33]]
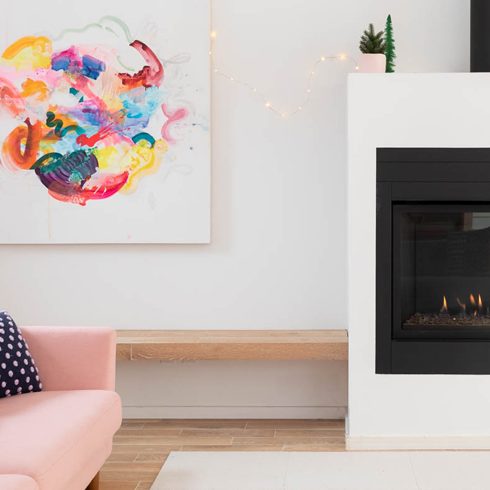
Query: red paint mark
[[84, 140], [172, 118], [101, 188], [150, 74]]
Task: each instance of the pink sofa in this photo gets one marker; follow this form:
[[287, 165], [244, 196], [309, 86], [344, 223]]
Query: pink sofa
[[58, 439], [17, 482]]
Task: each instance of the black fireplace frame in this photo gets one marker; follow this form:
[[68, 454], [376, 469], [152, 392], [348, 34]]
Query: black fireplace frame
[[439, 177]]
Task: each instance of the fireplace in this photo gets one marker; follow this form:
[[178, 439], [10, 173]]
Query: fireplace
[[433, 261]]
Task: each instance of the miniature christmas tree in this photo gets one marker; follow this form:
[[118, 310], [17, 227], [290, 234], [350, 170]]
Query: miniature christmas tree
[[389, 46], [371, 42]]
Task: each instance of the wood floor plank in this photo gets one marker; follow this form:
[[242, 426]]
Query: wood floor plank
[[195, 423], [144, 486], [139, 448], [155, 457], [294, 424], [323, 432], [284, 441], [227, 432], [118, 485], [117, 457], [138, 471], [173, 440], [155, 431]]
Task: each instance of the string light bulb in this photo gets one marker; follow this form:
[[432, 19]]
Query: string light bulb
[[267, 103]]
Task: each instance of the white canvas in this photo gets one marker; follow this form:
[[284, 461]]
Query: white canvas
[[140, 190]]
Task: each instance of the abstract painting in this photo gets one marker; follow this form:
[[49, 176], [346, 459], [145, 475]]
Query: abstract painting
[[104, 122]]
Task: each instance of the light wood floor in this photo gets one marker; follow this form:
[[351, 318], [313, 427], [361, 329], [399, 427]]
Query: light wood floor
[[142, 446]]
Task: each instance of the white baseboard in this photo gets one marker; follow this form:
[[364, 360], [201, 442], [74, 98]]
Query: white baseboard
[[165, 412], [394, 443]]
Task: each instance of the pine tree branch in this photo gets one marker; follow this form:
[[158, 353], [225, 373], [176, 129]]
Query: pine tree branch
[[372, 42]]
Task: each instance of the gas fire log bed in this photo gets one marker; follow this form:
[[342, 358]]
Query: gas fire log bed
[[230, 345]]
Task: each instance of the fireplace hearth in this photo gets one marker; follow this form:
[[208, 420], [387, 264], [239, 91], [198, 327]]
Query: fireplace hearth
[[433, 261]]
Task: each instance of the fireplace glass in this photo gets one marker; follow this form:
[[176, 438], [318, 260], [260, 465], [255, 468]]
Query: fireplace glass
[[441, 270]]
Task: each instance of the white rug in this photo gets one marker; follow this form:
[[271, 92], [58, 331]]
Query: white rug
[[325, 471]]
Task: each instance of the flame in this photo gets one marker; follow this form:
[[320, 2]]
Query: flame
[[480, 303], [472, 300], [444, 305], [462, 305]]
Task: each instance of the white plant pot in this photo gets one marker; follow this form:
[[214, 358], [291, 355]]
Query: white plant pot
[[372, 63]]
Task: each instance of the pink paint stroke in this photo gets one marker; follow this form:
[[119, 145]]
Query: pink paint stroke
[[172, 118]]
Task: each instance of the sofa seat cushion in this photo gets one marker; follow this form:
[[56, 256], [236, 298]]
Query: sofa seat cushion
[[53, 435], [17, 482]]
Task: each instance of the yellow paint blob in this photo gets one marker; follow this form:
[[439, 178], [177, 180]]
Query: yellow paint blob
[[139, 160], [36, 88], [144, 160], [111, 158], [29, 52]]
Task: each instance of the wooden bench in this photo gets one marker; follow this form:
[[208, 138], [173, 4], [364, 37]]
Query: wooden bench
[[228, 345]]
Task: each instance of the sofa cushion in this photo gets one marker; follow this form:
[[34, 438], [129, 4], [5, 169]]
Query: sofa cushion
[[58, 438], [17, 482], [18, 372]]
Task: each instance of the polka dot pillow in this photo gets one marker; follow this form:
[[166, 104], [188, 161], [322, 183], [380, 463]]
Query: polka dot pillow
[[18, 373]]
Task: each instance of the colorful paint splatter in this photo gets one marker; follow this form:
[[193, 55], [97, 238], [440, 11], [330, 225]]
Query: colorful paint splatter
[[83, 122]]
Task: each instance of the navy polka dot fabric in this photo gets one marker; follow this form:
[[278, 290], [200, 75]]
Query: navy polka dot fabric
[[18, 373]]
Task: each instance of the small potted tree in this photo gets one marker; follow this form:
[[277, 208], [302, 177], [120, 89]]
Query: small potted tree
[[390, 51], [372, 47]]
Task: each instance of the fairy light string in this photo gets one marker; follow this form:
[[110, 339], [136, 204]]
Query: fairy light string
[[267, 101]]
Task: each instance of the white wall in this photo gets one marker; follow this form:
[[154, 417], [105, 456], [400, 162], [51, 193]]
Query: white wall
[[430, 110], [234, 389], [278, 254]]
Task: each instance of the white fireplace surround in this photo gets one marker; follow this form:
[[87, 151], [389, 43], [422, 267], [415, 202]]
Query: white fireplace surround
[[406, 411]]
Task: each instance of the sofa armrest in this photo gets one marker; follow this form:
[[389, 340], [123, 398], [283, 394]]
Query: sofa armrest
[[73, 358]]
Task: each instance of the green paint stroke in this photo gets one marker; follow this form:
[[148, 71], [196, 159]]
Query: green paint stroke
[[52, 122], [144, 136], [100, 25], [126, 67], [42, 162]]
